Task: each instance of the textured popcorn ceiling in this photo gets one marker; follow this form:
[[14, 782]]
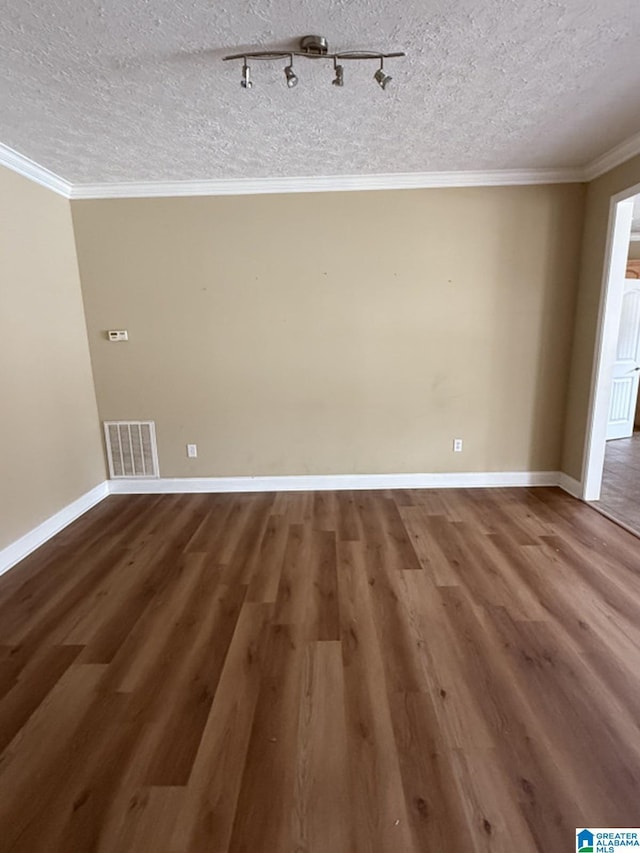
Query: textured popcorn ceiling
[[108, 90]]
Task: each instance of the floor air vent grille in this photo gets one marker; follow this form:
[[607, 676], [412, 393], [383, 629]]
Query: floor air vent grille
[[131, 448]]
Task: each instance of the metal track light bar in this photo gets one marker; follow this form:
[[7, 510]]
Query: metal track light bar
[[315, 47]]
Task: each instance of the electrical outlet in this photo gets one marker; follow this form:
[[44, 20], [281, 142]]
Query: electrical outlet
[[118, 335], [457, 445], [192, 451]]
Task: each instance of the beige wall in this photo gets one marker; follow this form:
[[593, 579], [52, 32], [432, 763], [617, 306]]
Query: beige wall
[[599, 193], [337, 332], [50, 450]]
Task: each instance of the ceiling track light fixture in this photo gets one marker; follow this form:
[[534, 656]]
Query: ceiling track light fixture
[[315, 47]]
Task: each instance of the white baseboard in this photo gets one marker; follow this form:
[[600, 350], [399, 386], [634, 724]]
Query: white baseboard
[[568, 484], [334, 482], [22, 547]]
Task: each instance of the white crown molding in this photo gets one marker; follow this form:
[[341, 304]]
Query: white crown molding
[[333, 482], [612, 158], [333, 183], [34, 171], [318, 183], [22, 547]]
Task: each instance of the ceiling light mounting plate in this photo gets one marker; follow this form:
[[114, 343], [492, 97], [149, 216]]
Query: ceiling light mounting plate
[[314, 44]]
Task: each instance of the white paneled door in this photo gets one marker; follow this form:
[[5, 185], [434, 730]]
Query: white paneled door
[[626, 370]]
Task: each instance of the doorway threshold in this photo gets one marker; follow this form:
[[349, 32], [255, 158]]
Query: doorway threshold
[[635, 530], [620, 492]]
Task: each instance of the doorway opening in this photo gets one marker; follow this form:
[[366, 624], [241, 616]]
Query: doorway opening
[[611, 476]]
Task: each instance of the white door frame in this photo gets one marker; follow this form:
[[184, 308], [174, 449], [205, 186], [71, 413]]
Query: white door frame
[[617, 251]]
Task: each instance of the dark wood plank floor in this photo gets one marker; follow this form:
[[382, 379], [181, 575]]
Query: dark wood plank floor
[[620, 495], [444, 671]]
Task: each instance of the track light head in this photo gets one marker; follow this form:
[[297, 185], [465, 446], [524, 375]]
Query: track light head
[[290, 74], [246, 76], [381, 77], [338, 80]]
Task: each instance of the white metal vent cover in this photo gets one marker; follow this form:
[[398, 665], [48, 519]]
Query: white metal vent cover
[[131, 448]]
